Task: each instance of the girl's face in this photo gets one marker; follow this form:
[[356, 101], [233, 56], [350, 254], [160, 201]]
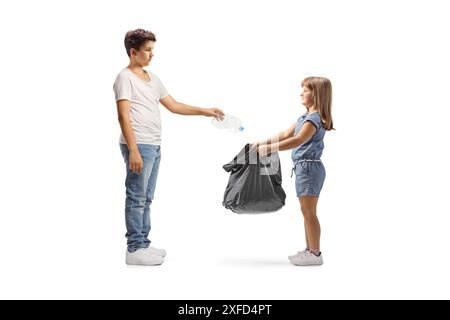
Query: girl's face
[[307, 97]]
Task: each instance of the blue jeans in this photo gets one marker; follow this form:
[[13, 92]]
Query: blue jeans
[[140, 189]]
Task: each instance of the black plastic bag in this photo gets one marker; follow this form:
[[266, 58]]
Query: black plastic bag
[[255, 183]]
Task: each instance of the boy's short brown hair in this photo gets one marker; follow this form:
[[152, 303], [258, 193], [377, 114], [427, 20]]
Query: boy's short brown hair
[[136, 38]]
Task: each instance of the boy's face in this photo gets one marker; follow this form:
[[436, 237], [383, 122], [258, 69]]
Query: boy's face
[[144, 55]]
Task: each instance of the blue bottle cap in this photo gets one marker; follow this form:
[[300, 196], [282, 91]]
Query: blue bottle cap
[[241, 129]]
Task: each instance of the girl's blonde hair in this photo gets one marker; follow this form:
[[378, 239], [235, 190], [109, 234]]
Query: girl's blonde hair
[[321, 90]]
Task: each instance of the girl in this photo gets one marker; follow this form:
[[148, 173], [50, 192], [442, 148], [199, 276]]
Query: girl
[[305, 138]]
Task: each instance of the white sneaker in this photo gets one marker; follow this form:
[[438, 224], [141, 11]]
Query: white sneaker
[[141, 258], [298, 254], [155, 251], [308, 259]]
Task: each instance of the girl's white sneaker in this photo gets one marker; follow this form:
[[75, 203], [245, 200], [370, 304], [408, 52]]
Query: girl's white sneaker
[[308, 259]]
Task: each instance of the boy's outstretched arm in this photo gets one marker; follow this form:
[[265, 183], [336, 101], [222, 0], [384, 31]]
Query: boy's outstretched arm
[[305, 133], [180, 108]]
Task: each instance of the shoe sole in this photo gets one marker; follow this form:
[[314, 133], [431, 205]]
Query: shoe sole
[[306, 265], [143, 264], [156, 263]]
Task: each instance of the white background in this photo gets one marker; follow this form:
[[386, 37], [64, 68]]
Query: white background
[[384, 206]]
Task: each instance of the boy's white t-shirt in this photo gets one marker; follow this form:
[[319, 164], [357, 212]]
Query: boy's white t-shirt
[[144, 100]]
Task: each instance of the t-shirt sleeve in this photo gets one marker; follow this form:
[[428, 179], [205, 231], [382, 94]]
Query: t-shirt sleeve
[[162, 91], [161, 88], [314, 118], [122, 88]]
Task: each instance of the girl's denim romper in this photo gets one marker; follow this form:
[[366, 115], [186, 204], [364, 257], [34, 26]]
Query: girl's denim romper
[[308, 168]]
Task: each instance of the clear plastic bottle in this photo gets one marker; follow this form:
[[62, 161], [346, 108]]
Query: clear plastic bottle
[[229, 122]]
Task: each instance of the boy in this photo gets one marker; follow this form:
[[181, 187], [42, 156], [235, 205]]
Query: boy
[[138, 93]]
